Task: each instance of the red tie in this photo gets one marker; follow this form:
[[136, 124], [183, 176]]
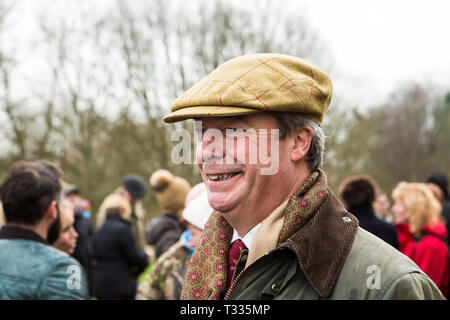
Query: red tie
[[233, 257]]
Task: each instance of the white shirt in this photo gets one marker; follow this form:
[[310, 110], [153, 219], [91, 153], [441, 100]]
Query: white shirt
[[247, 239]]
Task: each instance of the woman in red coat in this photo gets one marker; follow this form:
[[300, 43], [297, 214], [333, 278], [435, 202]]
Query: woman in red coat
[[421, 234]]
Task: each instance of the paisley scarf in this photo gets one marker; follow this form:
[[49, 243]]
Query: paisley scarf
[[206, 276]]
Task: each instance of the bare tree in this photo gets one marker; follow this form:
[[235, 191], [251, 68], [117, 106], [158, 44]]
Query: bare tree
[[109, 81]]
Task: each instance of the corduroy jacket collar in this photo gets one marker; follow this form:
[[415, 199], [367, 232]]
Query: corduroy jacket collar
[[322, 245]]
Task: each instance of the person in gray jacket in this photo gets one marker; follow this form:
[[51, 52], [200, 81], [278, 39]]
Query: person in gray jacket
[[29, 267]]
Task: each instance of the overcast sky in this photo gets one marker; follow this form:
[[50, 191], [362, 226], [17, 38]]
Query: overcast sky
[[375, 45], [380, 44]]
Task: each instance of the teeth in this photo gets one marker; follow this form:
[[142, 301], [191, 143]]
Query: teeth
[[220, 177]]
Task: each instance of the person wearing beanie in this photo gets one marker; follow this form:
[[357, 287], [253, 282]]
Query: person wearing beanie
[[440, 180], [358, 194], [117, 260], [166, 278], [134, 189], [171, 191]]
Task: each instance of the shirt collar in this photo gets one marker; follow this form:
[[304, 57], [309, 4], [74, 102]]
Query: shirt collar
[[247, 239]]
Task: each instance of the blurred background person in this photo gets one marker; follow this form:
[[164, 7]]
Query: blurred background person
[[421, 234], [358, 193], [437, 192], [171, 191], [30, 268], [117, 260], [83, 226], [134, 189], [68, 236], [440, 180], [381, 206], [166, 279]]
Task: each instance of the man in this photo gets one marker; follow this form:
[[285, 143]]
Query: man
[[294, 239], [134, 189], [358, 194], [29, 267]]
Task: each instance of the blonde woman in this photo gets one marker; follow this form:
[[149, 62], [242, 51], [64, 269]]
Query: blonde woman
[[117, 260], [421, 233]]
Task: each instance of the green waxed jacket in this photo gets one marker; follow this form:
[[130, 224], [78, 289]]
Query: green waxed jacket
[[34, 270], [332, 258]]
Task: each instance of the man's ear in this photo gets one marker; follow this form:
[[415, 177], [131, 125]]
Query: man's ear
[[302, 143], [52, 211]]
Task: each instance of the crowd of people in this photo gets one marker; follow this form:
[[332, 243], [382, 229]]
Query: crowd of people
[[300, 239], [112, 258], [113, 255], [419, 228]]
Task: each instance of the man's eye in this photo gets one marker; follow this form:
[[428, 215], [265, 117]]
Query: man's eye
[[234, 130]]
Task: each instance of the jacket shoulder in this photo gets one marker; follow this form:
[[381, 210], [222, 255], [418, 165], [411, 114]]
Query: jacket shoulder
[[65, 278], [157, 227], [39, 271], [376, 270], [113, 228]]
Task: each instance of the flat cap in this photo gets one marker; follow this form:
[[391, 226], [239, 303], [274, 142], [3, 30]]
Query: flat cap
[[255, 83]]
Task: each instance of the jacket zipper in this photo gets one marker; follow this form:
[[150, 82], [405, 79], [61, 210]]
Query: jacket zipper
[[236, 279]]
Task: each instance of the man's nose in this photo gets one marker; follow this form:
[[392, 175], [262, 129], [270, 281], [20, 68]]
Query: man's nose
[[212, 147]]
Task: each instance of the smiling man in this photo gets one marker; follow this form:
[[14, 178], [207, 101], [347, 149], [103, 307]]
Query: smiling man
[[279, 233]]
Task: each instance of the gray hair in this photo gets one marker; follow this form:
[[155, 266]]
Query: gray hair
[[290, 122]]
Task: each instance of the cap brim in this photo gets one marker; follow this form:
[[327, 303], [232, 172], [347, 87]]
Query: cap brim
[[207, 111]]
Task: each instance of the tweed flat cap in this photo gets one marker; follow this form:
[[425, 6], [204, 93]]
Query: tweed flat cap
[[255, 83]]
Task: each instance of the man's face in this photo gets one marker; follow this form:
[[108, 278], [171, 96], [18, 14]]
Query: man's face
[[237, 184]]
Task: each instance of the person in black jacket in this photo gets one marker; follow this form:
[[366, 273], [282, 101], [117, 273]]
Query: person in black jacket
[[358, 193], [116, 260]]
